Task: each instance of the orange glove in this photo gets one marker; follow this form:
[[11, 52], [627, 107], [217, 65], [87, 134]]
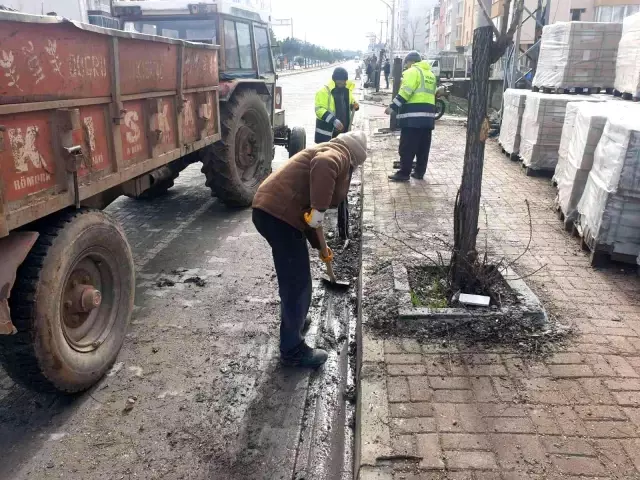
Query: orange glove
[[356, 106], [328, 257]]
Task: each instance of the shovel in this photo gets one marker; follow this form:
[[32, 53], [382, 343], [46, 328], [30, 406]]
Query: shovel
[[330, 278]]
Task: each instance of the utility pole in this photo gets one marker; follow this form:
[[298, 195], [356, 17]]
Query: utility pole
[[392, 7]]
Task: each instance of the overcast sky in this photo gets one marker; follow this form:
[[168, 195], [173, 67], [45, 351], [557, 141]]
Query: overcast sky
[[331, 23]]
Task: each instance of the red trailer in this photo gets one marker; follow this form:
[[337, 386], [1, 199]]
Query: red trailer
[[86, 114]]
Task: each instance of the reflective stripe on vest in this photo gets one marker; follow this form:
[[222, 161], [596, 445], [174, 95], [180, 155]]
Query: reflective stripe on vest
[[415, 115], [324, 132]]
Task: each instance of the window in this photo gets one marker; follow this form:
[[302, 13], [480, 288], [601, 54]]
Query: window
[[244, 42], [264, 52], [195, 30], [615, 13], [170, 32], [576, 13], [231, 57]]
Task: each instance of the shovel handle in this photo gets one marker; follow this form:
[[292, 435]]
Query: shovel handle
[[323, 249]]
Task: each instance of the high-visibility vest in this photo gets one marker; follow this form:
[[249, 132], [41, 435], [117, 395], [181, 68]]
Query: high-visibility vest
[[415, 103], [326, 110]]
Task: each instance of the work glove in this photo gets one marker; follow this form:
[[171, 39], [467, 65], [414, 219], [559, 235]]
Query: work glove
[[338, 125], [314, 218], [327, 255], [356, 106], [388, 110]]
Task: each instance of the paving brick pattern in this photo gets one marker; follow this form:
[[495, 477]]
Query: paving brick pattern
[[461, 413]]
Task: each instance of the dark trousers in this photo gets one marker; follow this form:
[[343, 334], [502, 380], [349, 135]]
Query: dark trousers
[[291, 259], [414, 143], [386, 79]]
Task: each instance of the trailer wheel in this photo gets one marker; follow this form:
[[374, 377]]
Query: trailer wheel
[[297, 141], [236, 166], [71, 303]]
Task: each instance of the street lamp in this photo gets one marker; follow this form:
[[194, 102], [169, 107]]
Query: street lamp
[[391, 7]]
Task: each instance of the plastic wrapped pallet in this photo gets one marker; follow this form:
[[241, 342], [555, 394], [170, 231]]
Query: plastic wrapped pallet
[[583, 126], [513, 109], [541, 130], [578, 54], [609, 210], [628, 64]]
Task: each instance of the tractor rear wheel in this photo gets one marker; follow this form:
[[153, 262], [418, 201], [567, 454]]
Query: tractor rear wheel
[[236, 166]]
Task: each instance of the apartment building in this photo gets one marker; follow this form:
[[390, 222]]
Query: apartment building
[[568, 10], [432, 23]]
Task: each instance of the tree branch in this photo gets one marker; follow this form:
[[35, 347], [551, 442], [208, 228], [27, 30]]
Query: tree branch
[[487, 17], [505, 17], [504, 40]]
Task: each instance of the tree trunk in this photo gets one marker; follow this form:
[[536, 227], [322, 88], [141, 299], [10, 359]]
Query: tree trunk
[[467, 206]]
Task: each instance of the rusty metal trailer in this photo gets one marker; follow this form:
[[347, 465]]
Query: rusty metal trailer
[[86, 114]]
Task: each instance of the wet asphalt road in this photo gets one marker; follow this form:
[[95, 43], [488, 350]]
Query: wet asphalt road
[[211, 400]]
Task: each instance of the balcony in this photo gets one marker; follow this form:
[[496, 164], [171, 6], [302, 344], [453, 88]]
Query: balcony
[[99, 6]]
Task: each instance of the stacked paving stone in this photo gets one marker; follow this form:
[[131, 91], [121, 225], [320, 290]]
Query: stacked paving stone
[[583, 126], [609, 210], [513, 108], [578, 55], [541, 130], [628, 64]]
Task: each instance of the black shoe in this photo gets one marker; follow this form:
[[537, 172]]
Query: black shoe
[[397, 165], [398, 177], [307, 323], [304, 356], [417, 177]]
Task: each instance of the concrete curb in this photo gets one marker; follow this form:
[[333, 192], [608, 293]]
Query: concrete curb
[[372, 434]]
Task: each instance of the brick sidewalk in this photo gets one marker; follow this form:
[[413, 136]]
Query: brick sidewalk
[[437, 411]]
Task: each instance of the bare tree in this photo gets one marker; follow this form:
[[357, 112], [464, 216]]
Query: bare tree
[[404, 40], [486, 51], [414, 26]]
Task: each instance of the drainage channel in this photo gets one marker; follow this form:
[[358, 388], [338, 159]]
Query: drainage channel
[[325, 450]]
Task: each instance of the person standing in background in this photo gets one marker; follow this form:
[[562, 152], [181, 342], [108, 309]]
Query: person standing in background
[[387, 71], [415, 113]]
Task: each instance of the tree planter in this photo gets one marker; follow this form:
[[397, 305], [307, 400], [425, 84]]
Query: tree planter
[[527, 307]]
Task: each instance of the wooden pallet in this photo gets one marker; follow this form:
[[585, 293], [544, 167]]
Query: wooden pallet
[[514, 157], [572, 90], [626, 95], [569, 226], [600, 255], [533, 172]]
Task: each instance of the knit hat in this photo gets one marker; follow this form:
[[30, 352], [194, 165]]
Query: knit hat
[[340, 74], [356, 143]]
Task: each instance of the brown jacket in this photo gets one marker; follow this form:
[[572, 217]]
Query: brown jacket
[[317, 177]]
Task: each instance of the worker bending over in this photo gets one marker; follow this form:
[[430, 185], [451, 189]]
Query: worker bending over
[[415, 113], [313, 180]]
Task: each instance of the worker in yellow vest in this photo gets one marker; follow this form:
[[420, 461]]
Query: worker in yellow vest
[[334, 104], [415, 113]]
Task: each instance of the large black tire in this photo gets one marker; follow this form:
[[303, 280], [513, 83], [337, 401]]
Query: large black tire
[[297, 141], [236, 166], [440, 108], [56, 346]]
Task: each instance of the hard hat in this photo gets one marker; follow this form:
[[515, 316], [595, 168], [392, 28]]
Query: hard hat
[[412, 56]]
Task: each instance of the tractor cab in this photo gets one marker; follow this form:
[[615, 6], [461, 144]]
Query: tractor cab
[[245, 57]]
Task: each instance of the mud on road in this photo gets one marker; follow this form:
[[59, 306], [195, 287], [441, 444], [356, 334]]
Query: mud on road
[[197, 391]]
